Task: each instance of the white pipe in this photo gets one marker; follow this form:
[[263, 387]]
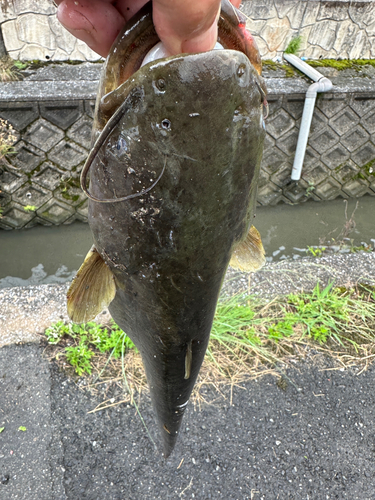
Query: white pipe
[[322, 84]]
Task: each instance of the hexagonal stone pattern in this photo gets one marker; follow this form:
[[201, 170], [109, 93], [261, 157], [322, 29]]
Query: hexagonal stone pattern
[[49, 176], [56, 138], [365, 154], [346, 172], [55, 212], [299, 192], [282, 177], [356, 188], [311, 157], [11, 179], [19, 114], [324, 140], [314, 175], [363, 103], [368, 122], [16, 217], [63, 114], [83, 211], [294, 105], [318, 121], [344, 121], [73, 195], [80, 132], [335, 156], [67, 154], [43, 135], [330, 104], [269, 194], [288, 142], [355, 138], [31, 195], [279, 123], [27, 157], [329, 189], [90, 108], [273, 159]]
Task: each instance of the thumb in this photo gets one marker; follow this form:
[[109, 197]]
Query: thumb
[[186, 26]]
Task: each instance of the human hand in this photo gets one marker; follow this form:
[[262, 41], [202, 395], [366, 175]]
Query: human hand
[[183, 26]]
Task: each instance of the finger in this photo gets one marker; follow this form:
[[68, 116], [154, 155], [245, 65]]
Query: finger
[[96, 22], [186, 26]]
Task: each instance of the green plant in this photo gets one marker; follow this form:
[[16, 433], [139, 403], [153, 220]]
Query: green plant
[[30, 208], [316, 251], [87, 337], [321, 312], [294, 45], [342, 64], [79, 356], [22, 428], [20, 65], [248, 334], [310, 189]]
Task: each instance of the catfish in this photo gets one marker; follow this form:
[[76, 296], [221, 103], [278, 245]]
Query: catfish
[[173, 180]]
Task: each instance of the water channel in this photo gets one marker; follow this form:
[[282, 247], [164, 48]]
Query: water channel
[[53, 254]]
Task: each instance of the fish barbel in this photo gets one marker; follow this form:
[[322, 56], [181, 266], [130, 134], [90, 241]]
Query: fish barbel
[[173, 176]]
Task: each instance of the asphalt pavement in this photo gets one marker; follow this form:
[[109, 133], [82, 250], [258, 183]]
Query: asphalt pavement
[[312, 437]]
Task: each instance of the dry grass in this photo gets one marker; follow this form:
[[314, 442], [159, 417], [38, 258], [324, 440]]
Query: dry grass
[[8, 70], [251, 339], [7, 138]]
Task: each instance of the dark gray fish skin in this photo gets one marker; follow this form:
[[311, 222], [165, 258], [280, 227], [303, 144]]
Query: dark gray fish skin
[[199, 117]]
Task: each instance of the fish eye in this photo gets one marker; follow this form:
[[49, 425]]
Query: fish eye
[[160, 84], [166, 124]]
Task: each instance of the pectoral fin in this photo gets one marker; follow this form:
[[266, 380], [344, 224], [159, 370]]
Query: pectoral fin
[[249, 255], [92, 290]]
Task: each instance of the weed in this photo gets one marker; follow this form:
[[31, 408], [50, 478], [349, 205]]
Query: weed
[[9, 71], [79, 356], [342, 64], [85, 338], [316, 251], [20, 65], [30, 208], [248, 337], [7, 138], [294, 45], [310, 189]]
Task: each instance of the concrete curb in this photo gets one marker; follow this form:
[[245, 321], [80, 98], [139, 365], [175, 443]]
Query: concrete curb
[[27, 311]]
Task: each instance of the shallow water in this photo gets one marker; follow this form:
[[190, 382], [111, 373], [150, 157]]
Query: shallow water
[[53, 254]]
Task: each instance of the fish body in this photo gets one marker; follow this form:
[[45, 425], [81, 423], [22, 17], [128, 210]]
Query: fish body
[[173, 179]]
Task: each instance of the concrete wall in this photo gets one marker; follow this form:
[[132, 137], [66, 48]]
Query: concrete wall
[[329, 29], [51, 111]]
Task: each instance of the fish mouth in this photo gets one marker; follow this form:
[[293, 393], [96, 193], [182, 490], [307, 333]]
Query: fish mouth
[[138, 38]]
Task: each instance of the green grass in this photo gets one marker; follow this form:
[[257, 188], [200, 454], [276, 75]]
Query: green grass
[[248, 336], [342, 64], [294, 45], [88, 340]]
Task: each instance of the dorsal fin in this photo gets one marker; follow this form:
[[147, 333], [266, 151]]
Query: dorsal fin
[[249, 255], [92, 290]]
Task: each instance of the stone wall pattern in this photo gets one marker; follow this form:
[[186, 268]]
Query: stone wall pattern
[[53, 140], [329, 29], [31, 31], [53, 143]]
